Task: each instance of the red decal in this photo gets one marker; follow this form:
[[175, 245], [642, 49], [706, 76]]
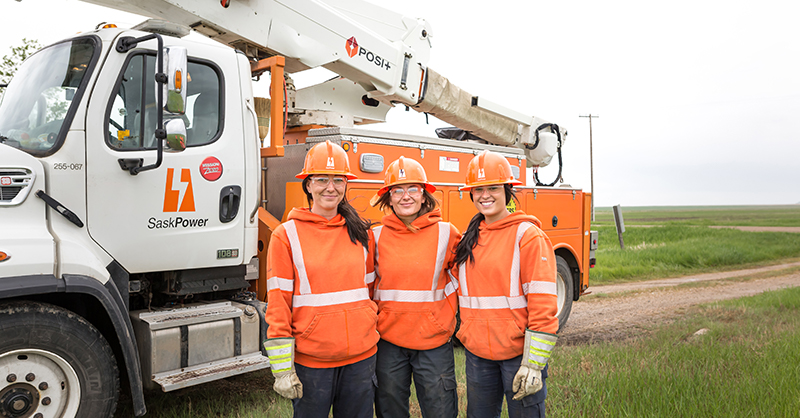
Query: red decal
[[211, 169], [351, 46], [5, 181]]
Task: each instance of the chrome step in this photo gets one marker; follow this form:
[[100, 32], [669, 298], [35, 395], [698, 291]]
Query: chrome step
[[202, 373]]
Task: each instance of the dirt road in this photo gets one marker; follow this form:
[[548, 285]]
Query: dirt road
[[622, 311]]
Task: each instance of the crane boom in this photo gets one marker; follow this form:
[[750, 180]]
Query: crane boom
[[383, 52]]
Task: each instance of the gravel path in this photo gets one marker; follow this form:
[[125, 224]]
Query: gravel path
[[628, 309]]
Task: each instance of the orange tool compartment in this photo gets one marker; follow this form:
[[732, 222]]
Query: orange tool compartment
[[565, 212]]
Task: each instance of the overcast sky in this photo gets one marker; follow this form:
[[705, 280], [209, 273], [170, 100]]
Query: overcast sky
[[699, 101]]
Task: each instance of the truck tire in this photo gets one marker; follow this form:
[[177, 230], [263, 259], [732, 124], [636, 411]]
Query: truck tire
[[564, 291], [54, 363]]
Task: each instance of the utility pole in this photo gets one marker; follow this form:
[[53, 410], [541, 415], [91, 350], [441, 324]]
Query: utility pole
[[591, 165]]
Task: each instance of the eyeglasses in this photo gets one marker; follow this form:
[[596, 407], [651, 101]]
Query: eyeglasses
[[412, 191], [478, 191], [324, 181]]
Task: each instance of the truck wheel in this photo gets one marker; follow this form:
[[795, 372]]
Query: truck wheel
[[564, 291], [53, 363]]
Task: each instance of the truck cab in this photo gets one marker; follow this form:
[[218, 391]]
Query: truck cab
[[88, 242]]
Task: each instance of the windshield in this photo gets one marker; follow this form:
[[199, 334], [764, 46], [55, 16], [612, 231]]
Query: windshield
[[38, 105]]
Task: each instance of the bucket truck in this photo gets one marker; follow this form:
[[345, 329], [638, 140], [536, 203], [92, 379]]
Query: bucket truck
[[137, 196]]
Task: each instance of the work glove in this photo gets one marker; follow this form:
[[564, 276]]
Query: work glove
[[281, 360], [528, 380]]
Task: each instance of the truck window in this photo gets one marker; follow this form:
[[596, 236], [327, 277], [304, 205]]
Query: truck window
[[132, 114], [40, 102]]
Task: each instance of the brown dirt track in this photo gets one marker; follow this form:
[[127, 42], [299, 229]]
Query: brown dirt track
[[618, 312]]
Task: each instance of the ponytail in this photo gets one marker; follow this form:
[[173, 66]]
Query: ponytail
[[469, 240]]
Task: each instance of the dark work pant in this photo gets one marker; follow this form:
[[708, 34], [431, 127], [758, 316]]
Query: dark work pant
[[434, 378], [488, 381], [349, 389]]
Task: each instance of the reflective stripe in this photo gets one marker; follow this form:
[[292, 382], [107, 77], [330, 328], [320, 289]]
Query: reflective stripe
[[297, 256], [416, 295], [546, 288], [280, 357], [409, 295], [542, 344], [306, 298], [433, 295], [332, 298], [376, 232], [493, 302], [287, 285], [280, 350], [368, 277], [280, 365], [514, 276], [441, 252], [462, 278], [450, 287]]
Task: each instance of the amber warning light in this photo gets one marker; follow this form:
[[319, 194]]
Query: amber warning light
[[4, 256], [178, 80]]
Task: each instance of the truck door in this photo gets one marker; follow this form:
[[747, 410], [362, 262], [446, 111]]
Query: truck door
[[186, 213]]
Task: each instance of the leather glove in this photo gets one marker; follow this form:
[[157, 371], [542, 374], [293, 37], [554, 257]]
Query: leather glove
[[281, 360], [536, 352]]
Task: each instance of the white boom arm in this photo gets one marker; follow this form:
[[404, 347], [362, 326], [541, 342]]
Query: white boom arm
[[383, 52]]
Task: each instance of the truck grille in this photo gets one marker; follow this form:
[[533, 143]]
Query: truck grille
[[15, 184]]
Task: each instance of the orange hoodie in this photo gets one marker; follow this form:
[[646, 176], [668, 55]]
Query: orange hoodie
[[416, 298], [510, 287], [319, 291]]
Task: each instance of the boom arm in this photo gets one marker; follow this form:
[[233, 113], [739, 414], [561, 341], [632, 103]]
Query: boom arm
[[383, 52]]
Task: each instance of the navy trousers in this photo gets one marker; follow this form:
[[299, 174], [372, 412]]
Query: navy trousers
[[349, 389], [489, 381], [434, 377]]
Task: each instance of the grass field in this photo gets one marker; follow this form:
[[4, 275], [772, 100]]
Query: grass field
[[747, 364], [779, 215], [672, 250]]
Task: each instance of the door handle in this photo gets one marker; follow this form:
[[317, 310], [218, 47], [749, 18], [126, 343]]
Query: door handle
[[229, 198]]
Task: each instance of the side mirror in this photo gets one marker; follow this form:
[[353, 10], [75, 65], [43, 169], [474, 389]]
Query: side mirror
[[175, 58], [176, 135]]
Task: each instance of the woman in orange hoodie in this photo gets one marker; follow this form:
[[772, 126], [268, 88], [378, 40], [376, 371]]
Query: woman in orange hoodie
[[320, 312], [507, 296], [416, 298]]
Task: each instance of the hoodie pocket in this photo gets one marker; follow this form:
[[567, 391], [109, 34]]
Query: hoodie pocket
[[340, 335], [401, 327], [491, 338]]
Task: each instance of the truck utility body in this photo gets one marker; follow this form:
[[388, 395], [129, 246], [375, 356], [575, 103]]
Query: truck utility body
[[137, 198]]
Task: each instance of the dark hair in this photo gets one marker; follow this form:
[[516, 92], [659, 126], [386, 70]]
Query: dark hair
[[470, 238], [357, 227], [430, 203]]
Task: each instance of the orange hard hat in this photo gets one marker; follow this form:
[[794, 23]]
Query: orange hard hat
[[489, 168], [326, 158], [405, 171]]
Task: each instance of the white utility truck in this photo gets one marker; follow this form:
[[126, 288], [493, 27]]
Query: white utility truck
[[132, 185]]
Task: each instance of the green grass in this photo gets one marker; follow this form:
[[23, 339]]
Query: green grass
[[747, 365], [778, 215], [674, 250]]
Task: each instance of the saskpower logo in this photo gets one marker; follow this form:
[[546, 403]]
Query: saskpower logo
[[175, 201], [353, 49], [172, 196]]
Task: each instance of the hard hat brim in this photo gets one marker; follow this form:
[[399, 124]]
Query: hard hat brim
[[348, 175], [489, 183]]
